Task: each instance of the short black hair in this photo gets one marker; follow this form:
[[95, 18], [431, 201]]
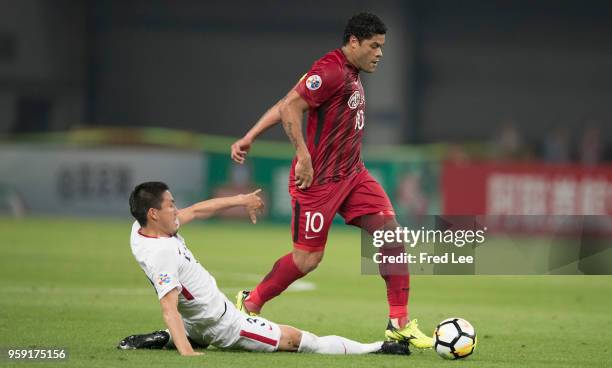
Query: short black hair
[[363, 26], [144, 196]]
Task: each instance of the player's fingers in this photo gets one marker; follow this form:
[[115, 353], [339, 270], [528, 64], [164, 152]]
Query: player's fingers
[[237, 149], [309, 182], [238, 158], [237, 155], [253, 217], [256, 191], [305, 183]]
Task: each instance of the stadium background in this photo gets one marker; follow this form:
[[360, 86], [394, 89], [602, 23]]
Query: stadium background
[[97, 96]]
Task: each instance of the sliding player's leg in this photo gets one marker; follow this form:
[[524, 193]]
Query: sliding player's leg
[[253, 333], [259, 334]]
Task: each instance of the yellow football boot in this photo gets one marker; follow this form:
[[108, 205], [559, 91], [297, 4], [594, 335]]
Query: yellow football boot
[[411, 334], [240, 298]]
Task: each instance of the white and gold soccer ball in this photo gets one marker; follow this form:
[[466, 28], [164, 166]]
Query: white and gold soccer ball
[[454, 338]]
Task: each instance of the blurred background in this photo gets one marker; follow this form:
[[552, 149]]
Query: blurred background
[[479, 107]]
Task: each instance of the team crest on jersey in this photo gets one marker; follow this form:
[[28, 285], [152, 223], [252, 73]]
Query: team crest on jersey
[[355, 100], [313, 82], [163, 278]]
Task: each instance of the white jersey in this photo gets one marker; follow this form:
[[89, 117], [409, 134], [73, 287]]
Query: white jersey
[[169, 265]]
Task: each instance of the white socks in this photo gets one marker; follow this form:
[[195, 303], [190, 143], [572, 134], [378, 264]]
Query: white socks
[[334, 345]]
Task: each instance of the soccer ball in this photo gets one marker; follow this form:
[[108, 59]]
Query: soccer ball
[[455, 338]]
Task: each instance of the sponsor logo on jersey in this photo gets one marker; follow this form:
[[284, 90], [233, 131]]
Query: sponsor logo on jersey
[[355, 100], [163, 278], [313, 82]]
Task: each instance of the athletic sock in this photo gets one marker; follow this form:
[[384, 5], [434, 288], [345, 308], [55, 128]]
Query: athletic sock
[[311, 343], [283, 273], [397, 280]]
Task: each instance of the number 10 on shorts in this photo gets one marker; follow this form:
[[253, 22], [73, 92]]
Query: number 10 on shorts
[[314, 221]]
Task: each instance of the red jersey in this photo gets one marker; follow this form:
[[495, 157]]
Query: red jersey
[[336, 120]]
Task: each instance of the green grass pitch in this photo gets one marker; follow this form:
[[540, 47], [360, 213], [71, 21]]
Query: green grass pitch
[[73, 283]]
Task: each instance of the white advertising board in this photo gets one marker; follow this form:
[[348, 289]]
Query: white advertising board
[[96, 181]]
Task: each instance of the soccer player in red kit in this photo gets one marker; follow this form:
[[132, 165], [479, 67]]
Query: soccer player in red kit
[[328, 176]]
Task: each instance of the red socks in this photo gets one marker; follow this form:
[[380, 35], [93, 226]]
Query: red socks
[[283, 273], [396, 275], [397, 279]]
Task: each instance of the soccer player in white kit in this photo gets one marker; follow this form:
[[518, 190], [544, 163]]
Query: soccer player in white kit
[[194, 310]]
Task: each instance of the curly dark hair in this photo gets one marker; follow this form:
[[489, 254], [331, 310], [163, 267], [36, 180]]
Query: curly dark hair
[[363, 26]]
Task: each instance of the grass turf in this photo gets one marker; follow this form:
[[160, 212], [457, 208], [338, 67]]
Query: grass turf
[[73, 283]]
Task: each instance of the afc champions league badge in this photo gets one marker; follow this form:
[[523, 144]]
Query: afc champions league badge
[[313, 82], [163, 278]]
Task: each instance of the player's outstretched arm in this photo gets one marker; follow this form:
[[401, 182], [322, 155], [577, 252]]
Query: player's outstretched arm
[[241, 147], [271, 117], [292, 109], [174, 322], [205, 209]]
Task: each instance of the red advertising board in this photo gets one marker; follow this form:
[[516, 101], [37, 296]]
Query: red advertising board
[[526, 189], [534, 195]]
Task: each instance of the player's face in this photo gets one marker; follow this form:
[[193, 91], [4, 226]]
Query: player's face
[[369, 52], [167, 214]]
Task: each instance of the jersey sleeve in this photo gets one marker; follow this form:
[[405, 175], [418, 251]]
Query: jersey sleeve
[[320, 83], [163, 271]]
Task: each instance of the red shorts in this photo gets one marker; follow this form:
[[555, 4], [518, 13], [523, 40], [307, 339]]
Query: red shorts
[[314, 208]]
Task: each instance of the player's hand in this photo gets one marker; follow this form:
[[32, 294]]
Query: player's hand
[[240, 149], [192, 353], [303, 172], [253, 204]]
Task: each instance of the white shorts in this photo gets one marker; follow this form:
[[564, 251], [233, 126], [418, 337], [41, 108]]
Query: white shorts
[[236, 330]]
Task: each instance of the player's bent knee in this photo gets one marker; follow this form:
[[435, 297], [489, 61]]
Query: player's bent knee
[[290, 339], [307, 261], [308, 265], [313, 261]]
